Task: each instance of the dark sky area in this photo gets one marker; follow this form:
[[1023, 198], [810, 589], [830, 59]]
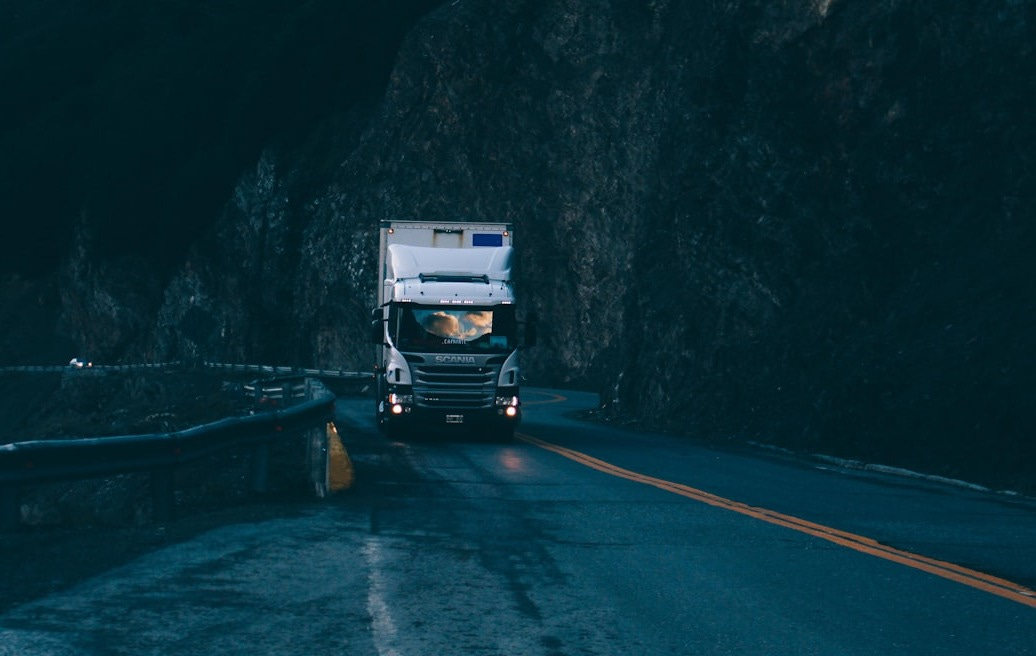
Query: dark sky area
[[140, 115]]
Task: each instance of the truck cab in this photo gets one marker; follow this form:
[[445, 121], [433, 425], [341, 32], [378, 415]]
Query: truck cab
[[446, 329]]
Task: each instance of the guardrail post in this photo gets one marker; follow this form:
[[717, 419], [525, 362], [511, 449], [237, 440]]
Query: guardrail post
[[317, 458], [259, 467], [163, 492], [10, 509]]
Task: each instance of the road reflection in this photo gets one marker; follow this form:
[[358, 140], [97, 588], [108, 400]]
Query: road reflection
[[512, 460]]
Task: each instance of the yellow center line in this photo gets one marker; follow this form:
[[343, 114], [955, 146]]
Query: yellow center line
[[969, 577], [552, 398]]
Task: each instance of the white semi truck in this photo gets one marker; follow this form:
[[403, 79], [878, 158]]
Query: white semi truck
[[447, 328]]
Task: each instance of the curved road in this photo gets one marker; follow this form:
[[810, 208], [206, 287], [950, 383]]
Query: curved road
[[574, 539]]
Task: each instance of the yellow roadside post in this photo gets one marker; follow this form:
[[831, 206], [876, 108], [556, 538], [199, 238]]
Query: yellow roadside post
[[340, 474]]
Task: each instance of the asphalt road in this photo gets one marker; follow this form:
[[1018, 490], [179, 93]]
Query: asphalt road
[[574, 539]]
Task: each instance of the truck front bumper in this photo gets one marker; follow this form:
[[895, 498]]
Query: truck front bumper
[[410, 417]]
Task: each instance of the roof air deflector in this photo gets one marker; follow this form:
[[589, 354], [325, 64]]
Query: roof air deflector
[[444, 276]]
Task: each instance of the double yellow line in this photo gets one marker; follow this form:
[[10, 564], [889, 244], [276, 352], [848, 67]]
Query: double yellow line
[[969, 577]]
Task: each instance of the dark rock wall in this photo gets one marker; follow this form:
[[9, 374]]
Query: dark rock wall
[[513, 112], [232, 300], [802, 222]]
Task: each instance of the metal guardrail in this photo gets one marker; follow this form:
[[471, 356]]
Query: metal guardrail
[[255, 368], [55, 368], [42, 461], [295, 371]]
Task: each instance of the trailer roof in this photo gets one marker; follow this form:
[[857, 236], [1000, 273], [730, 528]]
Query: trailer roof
[[448, 263]]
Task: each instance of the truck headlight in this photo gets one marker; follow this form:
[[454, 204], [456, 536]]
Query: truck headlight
[[510, 401], [400, 403]]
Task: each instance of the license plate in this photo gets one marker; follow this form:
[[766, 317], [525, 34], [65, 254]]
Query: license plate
[[454, 419]]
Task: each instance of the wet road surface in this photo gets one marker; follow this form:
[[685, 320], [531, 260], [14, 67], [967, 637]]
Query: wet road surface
[[573, 539]]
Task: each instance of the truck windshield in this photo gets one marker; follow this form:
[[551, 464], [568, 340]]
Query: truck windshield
[[424, 328]]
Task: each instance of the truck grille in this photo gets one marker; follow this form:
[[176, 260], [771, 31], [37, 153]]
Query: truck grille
[[451, 387]]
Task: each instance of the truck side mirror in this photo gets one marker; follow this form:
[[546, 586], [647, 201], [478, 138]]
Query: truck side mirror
[[531, 329], [377, 334]]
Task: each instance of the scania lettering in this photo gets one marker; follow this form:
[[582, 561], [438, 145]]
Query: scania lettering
[[447, 328], [455, 359]]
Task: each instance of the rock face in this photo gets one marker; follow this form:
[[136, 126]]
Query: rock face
[[804, 222]]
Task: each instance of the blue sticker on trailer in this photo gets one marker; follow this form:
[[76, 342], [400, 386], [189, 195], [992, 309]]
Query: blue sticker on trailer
[[484, 239]]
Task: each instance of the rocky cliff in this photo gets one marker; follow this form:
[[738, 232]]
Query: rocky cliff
[[804, 222]]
